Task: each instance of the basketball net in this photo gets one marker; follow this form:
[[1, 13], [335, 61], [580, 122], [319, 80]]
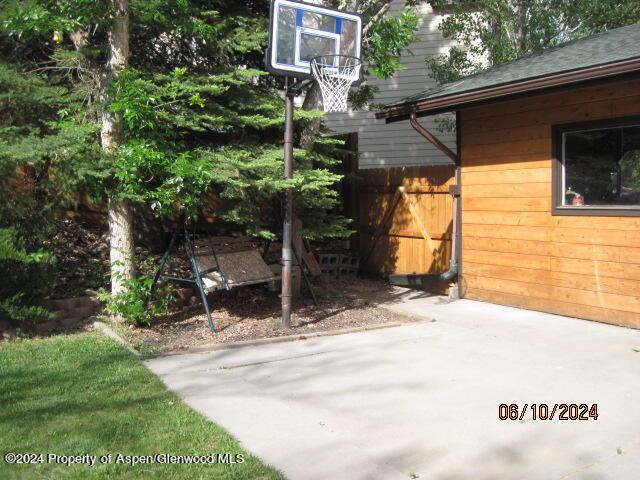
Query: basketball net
[[335, 74]]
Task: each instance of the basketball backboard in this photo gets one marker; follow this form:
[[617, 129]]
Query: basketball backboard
[[301, 31]]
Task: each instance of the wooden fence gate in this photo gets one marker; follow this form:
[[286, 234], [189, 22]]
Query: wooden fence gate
[[405, 219]]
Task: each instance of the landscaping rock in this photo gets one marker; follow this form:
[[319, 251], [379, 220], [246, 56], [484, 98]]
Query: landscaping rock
[[71, 322], [80, 307], [68, 313], [46, 327], [75, 303], [4, 325], [8, 335]]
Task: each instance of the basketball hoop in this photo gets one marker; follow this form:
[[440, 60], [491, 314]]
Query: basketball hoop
[[335, 74], [308, 40]]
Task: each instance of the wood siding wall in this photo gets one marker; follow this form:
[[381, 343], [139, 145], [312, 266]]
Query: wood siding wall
[[401, 248], [514, 251]]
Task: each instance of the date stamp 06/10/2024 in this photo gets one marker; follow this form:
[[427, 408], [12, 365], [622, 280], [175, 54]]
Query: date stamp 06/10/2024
[[545, 411]]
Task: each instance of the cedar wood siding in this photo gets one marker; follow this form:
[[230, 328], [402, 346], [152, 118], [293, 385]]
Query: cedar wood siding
[[514, 251]]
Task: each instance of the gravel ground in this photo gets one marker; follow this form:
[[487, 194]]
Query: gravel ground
[[252, 313]]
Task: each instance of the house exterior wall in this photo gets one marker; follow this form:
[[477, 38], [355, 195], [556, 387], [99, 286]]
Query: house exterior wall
[[397, 144], [514, 251]]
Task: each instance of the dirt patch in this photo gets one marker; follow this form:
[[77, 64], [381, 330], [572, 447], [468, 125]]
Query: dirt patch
[[253, 313]]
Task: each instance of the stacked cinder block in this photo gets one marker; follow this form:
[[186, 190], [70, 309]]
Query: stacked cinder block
[[339, 264]]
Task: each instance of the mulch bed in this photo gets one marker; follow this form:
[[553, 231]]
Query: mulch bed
[[82, 253], [254, 313]]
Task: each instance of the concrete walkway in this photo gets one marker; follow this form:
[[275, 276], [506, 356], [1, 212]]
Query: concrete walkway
[[421, 401]]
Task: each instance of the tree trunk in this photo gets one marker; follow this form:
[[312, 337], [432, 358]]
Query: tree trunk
[[120, 212], [312, 101], [121, 244], [523, 29], [496, 30]]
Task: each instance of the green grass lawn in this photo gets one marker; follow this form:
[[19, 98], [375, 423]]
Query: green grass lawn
[[84, 394]]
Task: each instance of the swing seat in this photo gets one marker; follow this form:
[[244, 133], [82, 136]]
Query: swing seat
[[228, 262]]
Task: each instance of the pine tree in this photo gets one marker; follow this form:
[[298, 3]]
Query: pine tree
[[181, 116]]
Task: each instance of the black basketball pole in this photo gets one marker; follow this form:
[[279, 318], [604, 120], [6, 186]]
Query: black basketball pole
[[287, 252]]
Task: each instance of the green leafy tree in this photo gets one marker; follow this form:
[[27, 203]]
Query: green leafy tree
[[490, 32], [593, 16]]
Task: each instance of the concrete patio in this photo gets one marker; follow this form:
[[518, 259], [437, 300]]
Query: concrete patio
[[421, 400]]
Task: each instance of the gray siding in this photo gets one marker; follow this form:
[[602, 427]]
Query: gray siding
[[397, 144]]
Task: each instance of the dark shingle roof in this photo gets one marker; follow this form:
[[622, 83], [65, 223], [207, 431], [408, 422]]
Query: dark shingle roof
[[604, 48]]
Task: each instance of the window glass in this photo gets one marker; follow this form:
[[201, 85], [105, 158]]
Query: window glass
[[602, 167]]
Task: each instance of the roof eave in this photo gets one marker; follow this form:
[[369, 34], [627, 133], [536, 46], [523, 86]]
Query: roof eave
[[453, 102]]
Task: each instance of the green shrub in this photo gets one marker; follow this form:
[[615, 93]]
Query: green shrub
[[27, 279], [18, 311], [140, 303]]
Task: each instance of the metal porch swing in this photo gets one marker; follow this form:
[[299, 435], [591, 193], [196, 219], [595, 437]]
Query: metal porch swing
[[217, 263]]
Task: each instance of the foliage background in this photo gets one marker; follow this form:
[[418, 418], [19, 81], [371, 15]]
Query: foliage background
[[203, 122]]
